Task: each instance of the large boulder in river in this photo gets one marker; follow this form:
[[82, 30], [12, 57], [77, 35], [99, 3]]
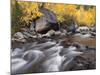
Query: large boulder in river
[[42, 25], [46, 22]]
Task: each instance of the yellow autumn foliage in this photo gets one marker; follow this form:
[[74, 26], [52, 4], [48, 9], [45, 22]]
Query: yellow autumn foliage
[[30, 10], [86, 17]]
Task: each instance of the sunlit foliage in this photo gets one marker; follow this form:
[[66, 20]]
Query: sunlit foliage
[[86, 17], [29, 11], [24, 12]]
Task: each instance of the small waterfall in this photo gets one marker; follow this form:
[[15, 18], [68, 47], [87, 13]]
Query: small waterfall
[[53, 59]]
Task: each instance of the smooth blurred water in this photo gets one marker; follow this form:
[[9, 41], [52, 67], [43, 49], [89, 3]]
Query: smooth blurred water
[[47, 56]]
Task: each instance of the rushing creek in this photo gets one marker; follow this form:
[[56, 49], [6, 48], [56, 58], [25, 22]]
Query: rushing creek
[[48, 56]]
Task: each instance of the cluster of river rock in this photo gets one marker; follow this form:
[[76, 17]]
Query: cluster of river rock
[[25, 34]]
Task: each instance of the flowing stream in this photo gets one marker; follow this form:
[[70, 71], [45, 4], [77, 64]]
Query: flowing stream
[[42, 57]]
